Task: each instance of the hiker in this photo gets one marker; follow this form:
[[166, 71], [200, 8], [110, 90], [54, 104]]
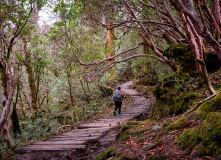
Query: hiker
[[117, 97]]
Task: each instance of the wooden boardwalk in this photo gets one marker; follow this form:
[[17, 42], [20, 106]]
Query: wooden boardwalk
[[83, 134]]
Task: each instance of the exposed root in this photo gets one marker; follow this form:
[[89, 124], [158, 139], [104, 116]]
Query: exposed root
[[194, 108]]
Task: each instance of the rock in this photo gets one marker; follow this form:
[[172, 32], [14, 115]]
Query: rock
[[156, 128]]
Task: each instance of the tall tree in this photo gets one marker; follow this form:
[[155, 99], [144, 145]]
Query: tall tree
[[14, 17]]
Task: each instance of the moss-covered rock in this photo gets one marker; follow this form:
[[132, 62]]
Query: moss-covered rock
[[158, 92], [182, 102], [211, 135], [121, 134], [189, 138], [159, 110], [183, 54], [208, 134], [212, 105], [178, 124], [111, 151], [170, 104]]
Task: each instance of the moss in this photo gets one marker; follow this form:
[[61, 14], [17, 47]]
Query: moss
[[189, 138], [127, 132], [198, 114], [157, 92], [178, 124], [212, 105], [159, 110], [133, 123], [182, 102], [121, 134], [125, 157], [183, 54], [169, 104], [169, 81], [211, 135], [176, 80], [107, 154], [149, 122], [141, 139]]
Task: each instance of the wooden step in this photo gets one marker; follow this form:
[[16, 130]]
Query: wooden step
[[33, 148], [67, 142]]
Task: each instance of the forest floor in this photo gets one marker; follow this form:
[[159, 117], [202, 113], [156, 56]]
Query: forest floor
[[106, 134]]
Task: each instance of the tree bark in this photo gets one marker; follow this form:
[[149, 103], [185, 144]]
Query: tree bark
[[31, 80], [110, 40], [217, 12], [200, 30]]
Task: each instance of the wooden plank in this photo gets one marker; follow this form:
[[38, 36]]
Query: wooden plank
[[73, 135], [32, 148], [68, 142], [88, 131], [96, 125], [74, 138]]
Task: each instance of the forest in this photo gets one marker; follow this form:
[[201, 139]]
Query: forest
[[61, 60]]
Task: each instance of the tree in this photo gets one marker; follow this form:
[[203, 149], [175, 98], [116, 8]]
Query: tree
[[14, 17]]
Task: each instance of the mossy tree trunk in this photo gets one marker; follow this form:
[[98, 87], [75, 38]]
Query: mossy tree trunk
[[31, 80]]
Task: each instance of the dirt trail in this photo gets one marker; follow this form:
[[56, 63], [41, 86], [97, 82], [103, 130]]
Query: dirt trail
[[88, 139]]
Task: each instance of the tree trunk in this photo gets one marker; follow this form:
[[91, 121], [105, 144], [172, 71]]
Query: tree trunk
[[70, 90], [110, 40], [202, 31], [82, 85], [31, 80], [217, 12], [15, 120], [198, 49]]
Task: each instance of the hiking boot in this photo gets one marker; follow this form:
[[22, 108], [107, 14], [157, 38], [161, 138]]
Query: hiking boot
[[114, 113]]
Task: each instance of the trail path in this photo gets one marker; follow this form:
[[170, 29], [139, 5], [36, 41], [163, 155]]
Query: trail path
[[89, 132]]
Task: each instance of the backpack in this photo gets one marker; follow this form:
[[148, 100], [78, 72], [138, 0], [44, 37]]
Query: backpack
[[117, 95]]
